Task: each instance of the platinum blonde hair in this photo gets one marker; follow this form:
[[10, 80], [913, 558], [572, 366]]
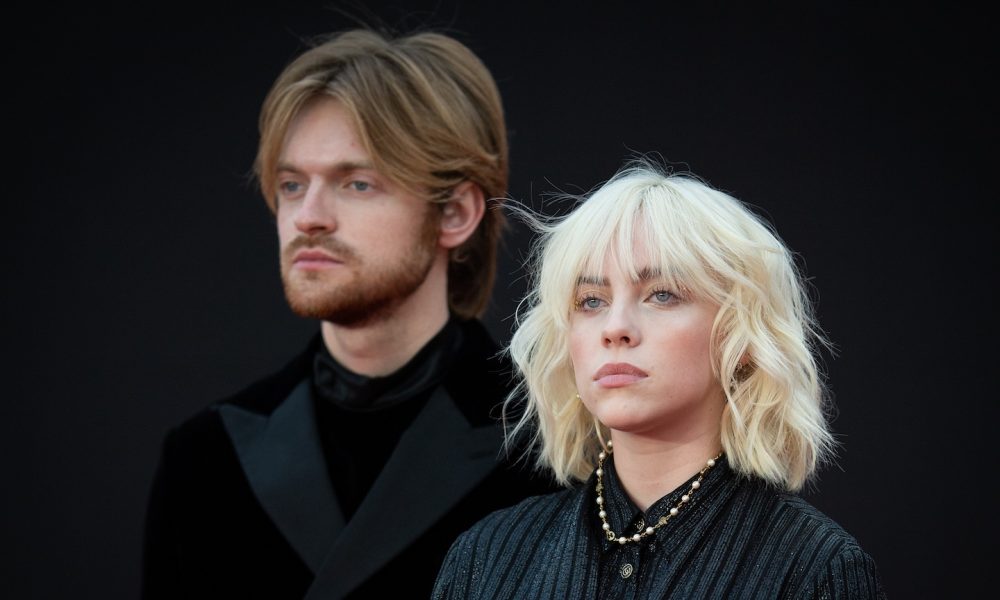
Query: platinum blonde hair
[[709, 244]]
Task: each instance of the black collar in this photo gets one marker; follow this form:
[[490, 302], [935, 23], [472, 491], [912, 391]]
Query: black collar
[[626, 519], [350, 391]]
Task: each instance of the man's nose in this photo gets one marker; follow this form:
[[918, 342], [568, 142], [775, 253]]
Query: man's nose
[[315, 214]]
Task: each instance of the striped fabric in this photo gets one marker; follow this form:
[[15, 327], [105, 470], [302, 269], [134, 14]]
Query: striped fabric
[[737, 538]]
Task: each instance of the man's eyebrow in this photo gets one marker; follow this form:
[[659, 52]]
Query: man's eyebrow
[[340, 167]]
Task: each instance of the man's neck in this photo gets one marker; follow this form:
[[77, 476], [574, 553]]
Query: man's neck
[[382, 346]]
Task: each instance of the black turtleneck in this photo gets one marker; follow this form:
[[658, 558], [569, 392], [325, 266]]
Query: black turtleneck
[[361, 418]]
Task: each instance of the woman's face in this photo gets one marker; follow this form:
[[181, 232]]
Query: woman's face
[[640, 351]]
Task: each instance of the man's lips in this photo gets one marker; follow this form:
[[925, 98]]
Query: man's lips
[[314, 258], [612, 375]]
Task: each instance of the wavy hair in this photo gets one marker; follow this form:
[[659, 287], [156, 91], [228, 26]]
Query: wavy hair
[[765, 338], [429, 115]]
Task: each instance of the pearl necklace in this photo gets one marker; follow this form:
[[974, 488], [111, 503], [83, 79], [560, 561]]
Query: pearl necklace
[[685, 499]]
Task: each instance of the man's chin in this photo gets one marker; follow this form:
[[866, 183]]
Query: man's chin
[[343, 312], [311, 305]]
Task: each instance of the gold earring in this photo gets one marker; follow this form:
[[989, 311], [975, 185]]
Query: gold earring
[[743, 371]]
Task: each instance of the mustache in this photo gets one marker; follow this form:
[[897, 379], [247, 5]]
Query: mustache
[[332, 245]]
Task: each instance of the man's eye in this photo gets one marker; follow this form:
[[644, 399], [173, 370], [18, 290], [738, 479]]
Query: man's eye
[[289, 187], [360, 186]]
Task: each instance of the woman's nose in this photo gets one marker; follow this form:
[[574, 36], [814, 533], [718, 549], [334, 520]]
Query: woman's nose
[[621, 328]]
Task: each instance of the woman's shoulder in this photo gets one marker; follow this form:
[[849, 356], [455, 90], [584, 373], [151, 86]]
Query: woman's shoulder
[[526, 515], [503, 540], [825, 556], [496, 534], [813, 526]]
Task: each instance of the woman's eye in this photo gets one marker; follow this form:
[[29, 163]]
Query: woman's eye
[[589, 303], [662, 296]]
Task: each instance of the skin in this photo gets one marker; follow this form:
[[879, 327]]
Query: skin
[[665, 417], [358, 251]]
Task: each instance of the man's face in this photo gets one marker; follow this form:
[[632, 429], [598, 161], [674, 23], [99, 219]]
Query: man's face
[[353, 244]]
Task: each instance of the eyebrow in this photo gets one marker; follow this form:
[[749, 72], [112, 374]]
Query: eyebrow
[[646, 274], [340, 167], [588, 280]]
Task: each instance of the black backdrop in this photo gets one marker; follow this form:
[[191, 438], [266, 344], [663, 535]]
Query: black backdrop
[[140, 266]]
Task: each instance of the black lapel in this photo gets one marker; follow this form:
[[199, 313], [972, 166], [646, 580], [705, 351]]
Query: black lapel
[[438, 460], [283, 460]]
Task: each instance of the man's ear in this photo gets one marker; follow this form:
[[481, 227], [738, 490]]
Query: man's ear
[[461, 214]]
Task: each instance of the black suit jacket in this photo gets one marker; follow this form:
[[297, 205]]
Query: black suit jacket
[[242, 505]]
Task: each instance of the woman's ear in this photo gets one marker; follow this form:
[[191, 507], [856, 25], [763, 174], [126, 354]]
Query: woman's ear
[[461, 214], [745, 367]]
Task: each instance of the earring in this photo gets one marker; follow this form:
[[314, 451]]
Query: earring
[[600, 436], [743, 371]]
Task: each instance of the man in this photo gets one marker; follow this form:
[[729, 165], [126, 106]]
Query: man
[[350, 472]]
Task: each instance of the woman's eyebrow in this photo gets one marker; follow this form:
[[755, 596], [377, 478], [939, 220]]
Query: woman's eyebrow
[[648, 273], [591, 280]]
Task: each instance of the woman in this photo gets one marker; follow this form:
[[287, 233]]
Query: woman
[[668, 360]]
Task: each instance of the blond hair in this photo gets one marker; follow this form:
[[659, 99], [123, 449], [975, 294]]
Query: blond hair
[[428, 113], [708, 243]]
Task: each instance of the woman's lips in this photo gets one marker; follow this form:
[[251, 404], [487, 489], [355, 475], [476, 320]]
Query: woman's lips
[[613, 375]]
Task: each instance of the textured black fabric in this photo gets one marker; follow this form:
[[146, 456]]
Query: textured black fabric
[[207, 535], [353, 392], [738, 538], [355, 412]]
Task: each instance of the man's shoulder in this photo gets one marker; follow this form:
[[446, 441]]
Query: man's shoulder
[[261, 396], [481, 377], [266, 393]]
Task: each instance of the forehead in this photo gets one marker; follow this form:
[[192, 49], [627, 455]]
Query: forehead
[[323, 130], [629, 255]]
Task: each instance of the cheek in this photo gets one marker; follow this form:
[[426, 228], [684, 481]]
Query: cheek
[[581, 354], [693, 347], [576, 346], [286, 227]]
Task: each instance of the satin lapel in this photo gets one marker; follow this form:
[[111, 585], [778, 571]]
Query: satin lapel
[[438, 460], [283, 460]]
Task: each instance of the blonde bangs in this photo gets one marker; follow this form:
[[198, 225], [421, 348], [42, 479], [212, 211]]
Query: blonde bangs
[[703, 243]]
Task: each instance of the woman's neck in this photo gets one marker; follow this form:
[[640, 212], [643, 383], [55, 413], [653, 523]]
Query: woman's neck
[[649, 469]]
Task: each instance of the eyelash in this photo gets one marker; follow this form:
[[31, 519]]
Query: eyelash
[[284, 185], [671, 295], [581, 303]]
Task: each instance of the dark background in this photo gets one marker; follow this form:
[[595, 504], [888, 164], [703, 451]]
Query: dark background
[[141, 278]]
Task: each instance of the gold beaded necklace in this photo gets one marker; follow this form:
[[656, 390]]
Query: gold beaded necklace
[[685, 499]]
